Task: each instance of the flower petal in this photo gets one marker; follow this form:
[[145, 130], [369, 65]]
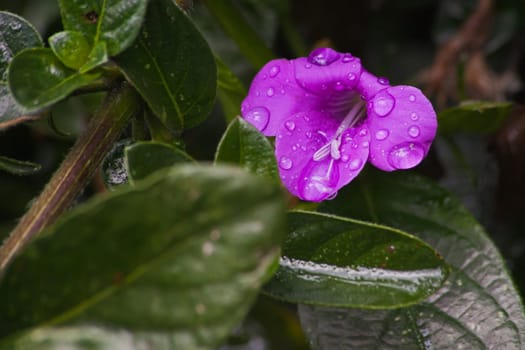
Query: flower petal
[[274, 96], [403, 124], [300, 137]]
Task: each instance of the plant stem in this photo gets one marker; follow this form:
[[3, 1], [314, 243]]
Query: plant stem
[[75, 171]]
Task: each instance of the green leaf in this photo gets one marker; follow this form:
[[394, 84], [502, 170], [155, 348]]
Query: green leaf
[[230, 91], [115, 22], [244, 145], [70, 47], [16, 34], [174, 262], [178, 81], [477, 308], [38, 79], [144, 158], [335, 261], [97, 57], [473, 116], [235, 25], [18, 167]]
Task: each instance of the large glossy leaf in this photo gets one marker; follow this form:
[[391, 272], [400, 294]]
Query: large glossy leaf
[[478, 307], [70, 47], [16, 34], [144, 158], [115, 22], [244, 145], [473, 117], [38, 79], [174, 262], [172, 67], [340, 262]]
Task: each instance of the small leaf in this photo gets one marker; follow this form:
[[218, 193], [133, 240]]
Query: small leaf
[[174, 262], [244, 145], [477, 308], [341, 262], [230, 91], [473, 116], [18, 167], [144, 158], [70, 47], [178, 81], [16, 34], [97, 57], [38, 79], [115, 22]]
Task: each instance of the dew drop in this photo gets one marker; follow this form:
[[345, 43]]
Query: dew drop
[[365, 144], [285, 163], [345, 158], [290, 125], [270, 92], [413, 131], [414, 116], [384, 104], [294, 148], [406, 155], [383, 81], [363, 132], [282, 92], [412, 98], [355, 164], [382, 134], [324, 87], [319, 179], [308, 134], [274, 71], [338, 86], [258, 117], [15, 26], [308, 66], [323, 56], [351, 76], [348, 58]]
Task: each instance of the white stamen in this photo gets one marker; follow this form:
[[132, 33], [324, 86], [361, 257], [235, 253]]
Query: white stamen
[[332, 147]]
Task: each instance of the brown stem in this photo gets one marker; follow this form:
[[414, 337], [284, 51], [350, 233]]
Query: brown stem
[[75, 171]]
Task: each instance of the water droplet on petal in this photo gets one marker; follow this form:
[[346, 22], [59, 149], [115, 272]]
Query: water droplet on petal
[[323, 56], [363, 132], [414, 116], [308, 66], [355, 164], [274, 71], [383, 81], [351, 76], [412, 98], [270, 92], [382, 134], [345, 158], [319, 179], [290, 125], [338, 86], [384, 104], [285, 163], [258, 117], [294, 148], [365, 144], [413, 131], [348, 58], [324, 87], [406, 155]]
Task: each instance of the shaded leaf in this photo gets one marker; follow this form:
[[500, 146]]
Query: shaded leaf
[[182, 258], [178, 81], [16, 34], [335, 261], [230, 91], [474, 117], [97, 57], [38, 79], [18, 167], [477, 308], [244, 145], [115, 22], [144, 158], [70, 47]]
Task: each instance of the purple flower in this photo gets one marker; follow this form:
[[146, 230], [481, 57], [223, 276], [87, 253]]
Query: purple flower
[[330, 116]]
